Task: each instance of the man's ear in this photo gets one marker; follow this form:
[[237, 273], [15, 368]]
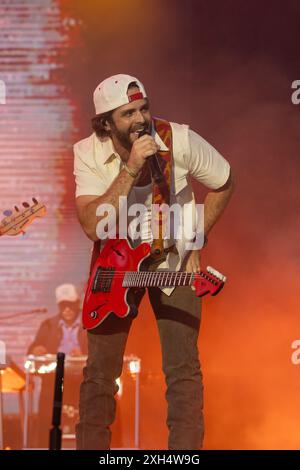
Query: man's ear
[[106, 125]]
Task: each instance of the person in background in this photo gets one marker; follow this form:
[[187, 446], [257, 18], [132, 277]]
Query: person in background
[[60, 333], [63, 331]]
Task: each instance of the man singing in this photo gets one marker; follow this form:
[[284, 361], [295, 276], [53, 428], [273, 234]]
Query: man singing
[[112, 163]]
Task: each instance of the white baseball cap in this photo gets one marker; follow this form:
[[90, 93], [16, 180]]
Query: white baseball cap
[[112, 93], [66, 292]]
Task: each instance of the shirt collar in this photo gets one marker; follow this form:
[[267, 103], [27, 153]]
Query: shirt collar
[[106, 150], [74, 325]]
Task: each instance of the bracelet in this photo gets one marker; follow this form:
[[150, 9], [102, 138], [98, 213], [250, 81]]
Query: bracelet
[[130, 172]]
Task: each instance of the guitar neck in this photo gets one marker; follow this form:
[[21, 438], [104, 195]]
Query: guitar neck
[[159, 279]]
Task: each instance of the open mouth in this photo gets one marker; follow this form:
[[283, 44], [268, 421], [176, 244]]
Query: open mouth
[[137, 131], [135, 134]]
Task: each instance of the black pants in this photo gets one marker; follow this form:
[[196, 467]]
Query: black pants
[[178, 319]]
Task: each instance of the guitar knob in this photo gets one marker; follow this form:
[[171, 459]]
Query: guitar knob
[[17, 209], [94, 315], [25, 204], [34, 200], [7, 213]]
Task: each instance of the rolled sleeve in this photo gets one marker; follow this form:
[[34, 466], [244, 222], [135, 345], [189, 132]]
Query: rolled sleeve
[[205, 163]]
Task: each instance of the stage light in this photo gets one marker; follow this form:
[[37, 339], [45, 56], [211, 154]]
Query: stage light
[[134, 366]]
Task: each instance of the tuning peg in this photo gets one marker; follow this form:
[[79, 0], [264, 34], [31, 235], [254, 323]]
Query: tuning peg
[[25, 204], [216, 273], [17, 209], [7, 213], [35, 200]]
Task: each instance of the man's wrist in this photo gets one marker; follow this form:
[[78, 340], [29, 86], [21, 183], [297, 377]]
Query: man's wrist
[[130, 171]]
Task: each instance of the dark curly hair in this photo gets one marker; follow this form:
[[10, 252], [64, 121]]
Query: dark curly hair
[[99, 121]]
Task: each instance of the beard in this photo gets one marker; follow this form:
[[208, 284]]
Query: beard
[[124, 136]]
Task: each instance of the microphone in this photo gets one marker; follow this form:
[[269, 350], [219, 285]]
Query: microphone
[[153, 163]]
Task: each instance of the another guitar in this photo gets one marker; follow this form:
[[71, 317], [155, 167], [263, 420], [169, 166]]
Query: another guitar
[[17, 220], [116, 274]]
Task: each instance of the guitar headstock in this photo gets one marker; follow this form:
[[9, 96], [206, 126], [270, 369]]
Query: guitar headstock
[[209, 281], [17, 220]]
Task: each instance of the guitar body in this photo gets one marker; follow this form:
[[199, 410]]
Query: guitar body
[[105, 293]]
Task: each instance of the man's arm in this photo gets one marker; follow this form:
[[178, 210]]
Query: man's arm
[[87, 205], [121, 186], [215, 203], [38, 345], [208, 167]]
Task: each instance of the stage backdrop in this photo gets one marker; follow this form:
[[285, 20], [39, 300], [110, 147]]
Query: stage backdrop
[[230, 70]]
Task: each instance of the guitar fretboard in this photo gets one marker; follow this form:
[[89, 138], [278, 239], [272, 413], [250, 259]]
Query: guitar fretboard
[[158, 279]]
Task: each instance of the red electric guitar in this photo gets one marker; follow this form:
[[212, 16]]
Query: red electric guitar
[[117, 271]]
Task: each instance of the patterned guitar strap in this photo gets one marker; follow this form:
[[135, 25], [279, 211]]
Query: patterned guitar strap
[[161, 192]]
